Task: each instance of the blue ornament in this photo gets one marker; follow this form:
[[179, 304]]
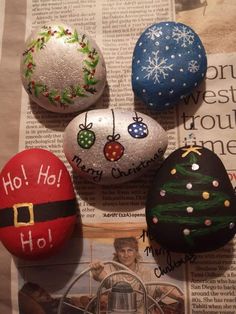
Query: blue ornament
[[138, 129], [169, 61]]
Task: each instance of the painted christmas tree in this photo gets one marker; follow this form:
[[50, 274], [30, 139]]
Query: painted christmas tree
[[192, 204]]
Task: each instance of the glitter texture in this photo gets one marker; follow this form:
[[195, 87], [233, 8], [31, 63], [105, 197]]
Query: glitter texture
[[59, 73]]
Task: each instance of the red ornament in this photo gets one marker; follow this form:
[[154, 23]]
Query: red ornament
[[37, 204], [113, 150]]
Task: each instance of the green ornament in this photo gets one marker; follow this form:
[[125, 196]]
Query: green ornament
[[86, 137]]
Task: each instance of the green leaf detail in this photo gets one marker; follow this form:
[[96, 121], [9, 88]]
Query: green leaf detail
[[28, 58], [32, 43], [84, 49], [28, 72], [79, 91], [62, 32], [52, 94], [43, 34], [47, 38], [89, 79], [92, 64], [91, 90], [76, 35], [65, 97], [38, 89], [74, 38]]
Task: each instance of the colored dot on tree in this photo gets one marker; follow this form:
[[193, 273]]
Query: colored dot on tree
[[205, 195], [186, 232], [208, 222], [189, 186], [195, 167], [173, 171], [215, 183], [227, 203], [189, 209], [162, 192], [155, 220]]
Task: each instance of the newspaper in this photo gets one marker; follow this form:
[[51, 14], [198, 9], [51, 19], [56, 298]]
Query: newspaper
[[2, 7], [175, 283]]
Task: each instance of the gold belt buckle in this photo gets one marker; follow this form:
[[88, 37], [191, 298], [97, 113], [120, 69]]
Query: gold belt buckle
[[31, 213]]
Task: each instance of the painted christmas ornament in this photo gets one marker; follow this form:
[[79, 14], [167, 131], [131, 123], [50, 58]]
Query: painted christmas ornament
[[121, 146], [191, 206], [169, 61], [37, 205], [86, 137], [62, 68]]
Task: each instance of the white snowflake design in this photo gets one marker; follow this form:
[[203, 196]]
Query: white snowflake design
[[193, 66], [157, 67], [183, 35], [154, 32]]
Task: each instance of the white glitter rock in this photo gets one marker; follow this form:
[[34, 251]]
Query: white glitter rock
[[62, 68], [122, 143]]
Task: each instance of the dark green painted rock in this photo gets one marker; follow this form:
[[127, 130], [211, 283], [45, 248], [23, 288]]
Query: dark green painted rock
[[191, 206]]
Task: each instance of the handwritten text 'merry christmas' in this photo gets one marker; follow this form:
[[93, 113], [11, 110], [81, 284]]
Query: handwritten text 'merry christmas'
[[44, 176]]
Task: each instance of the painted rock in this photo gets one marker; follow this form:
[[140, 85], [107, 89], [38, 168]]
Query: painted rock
[[62, 68], [191, 206], [37, 204], [110, 146], [169, 61]]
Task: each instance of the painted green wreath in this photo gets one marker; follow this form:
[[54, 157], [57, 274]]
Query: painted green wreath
[[63, 97]]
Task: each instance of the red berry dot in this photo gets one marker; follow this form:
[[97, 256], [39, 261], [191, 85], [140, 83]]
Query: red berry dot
[[57, 98]]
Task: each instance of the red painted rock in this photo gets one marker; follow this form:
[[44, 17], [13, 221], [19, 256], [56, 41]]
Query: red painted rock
[[37, 204]]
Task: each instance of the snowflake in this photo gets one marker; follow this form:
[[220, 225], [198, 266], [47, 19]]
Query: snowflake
[[156, 68], [183, 35], [154, 32], [193, 66]]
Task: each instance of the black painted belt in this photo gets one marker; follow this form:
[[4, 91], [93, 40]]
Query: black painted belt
[[25, 214]]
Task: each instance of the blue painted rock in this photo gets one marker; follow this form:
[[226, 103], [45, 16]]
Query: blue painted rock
[[62, 68], [169, 61], [191, 206], [111, 146]]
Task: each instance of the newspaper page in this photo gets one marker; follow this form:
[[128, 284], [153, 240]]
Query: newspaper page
[[71, 282], [2, 8]]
